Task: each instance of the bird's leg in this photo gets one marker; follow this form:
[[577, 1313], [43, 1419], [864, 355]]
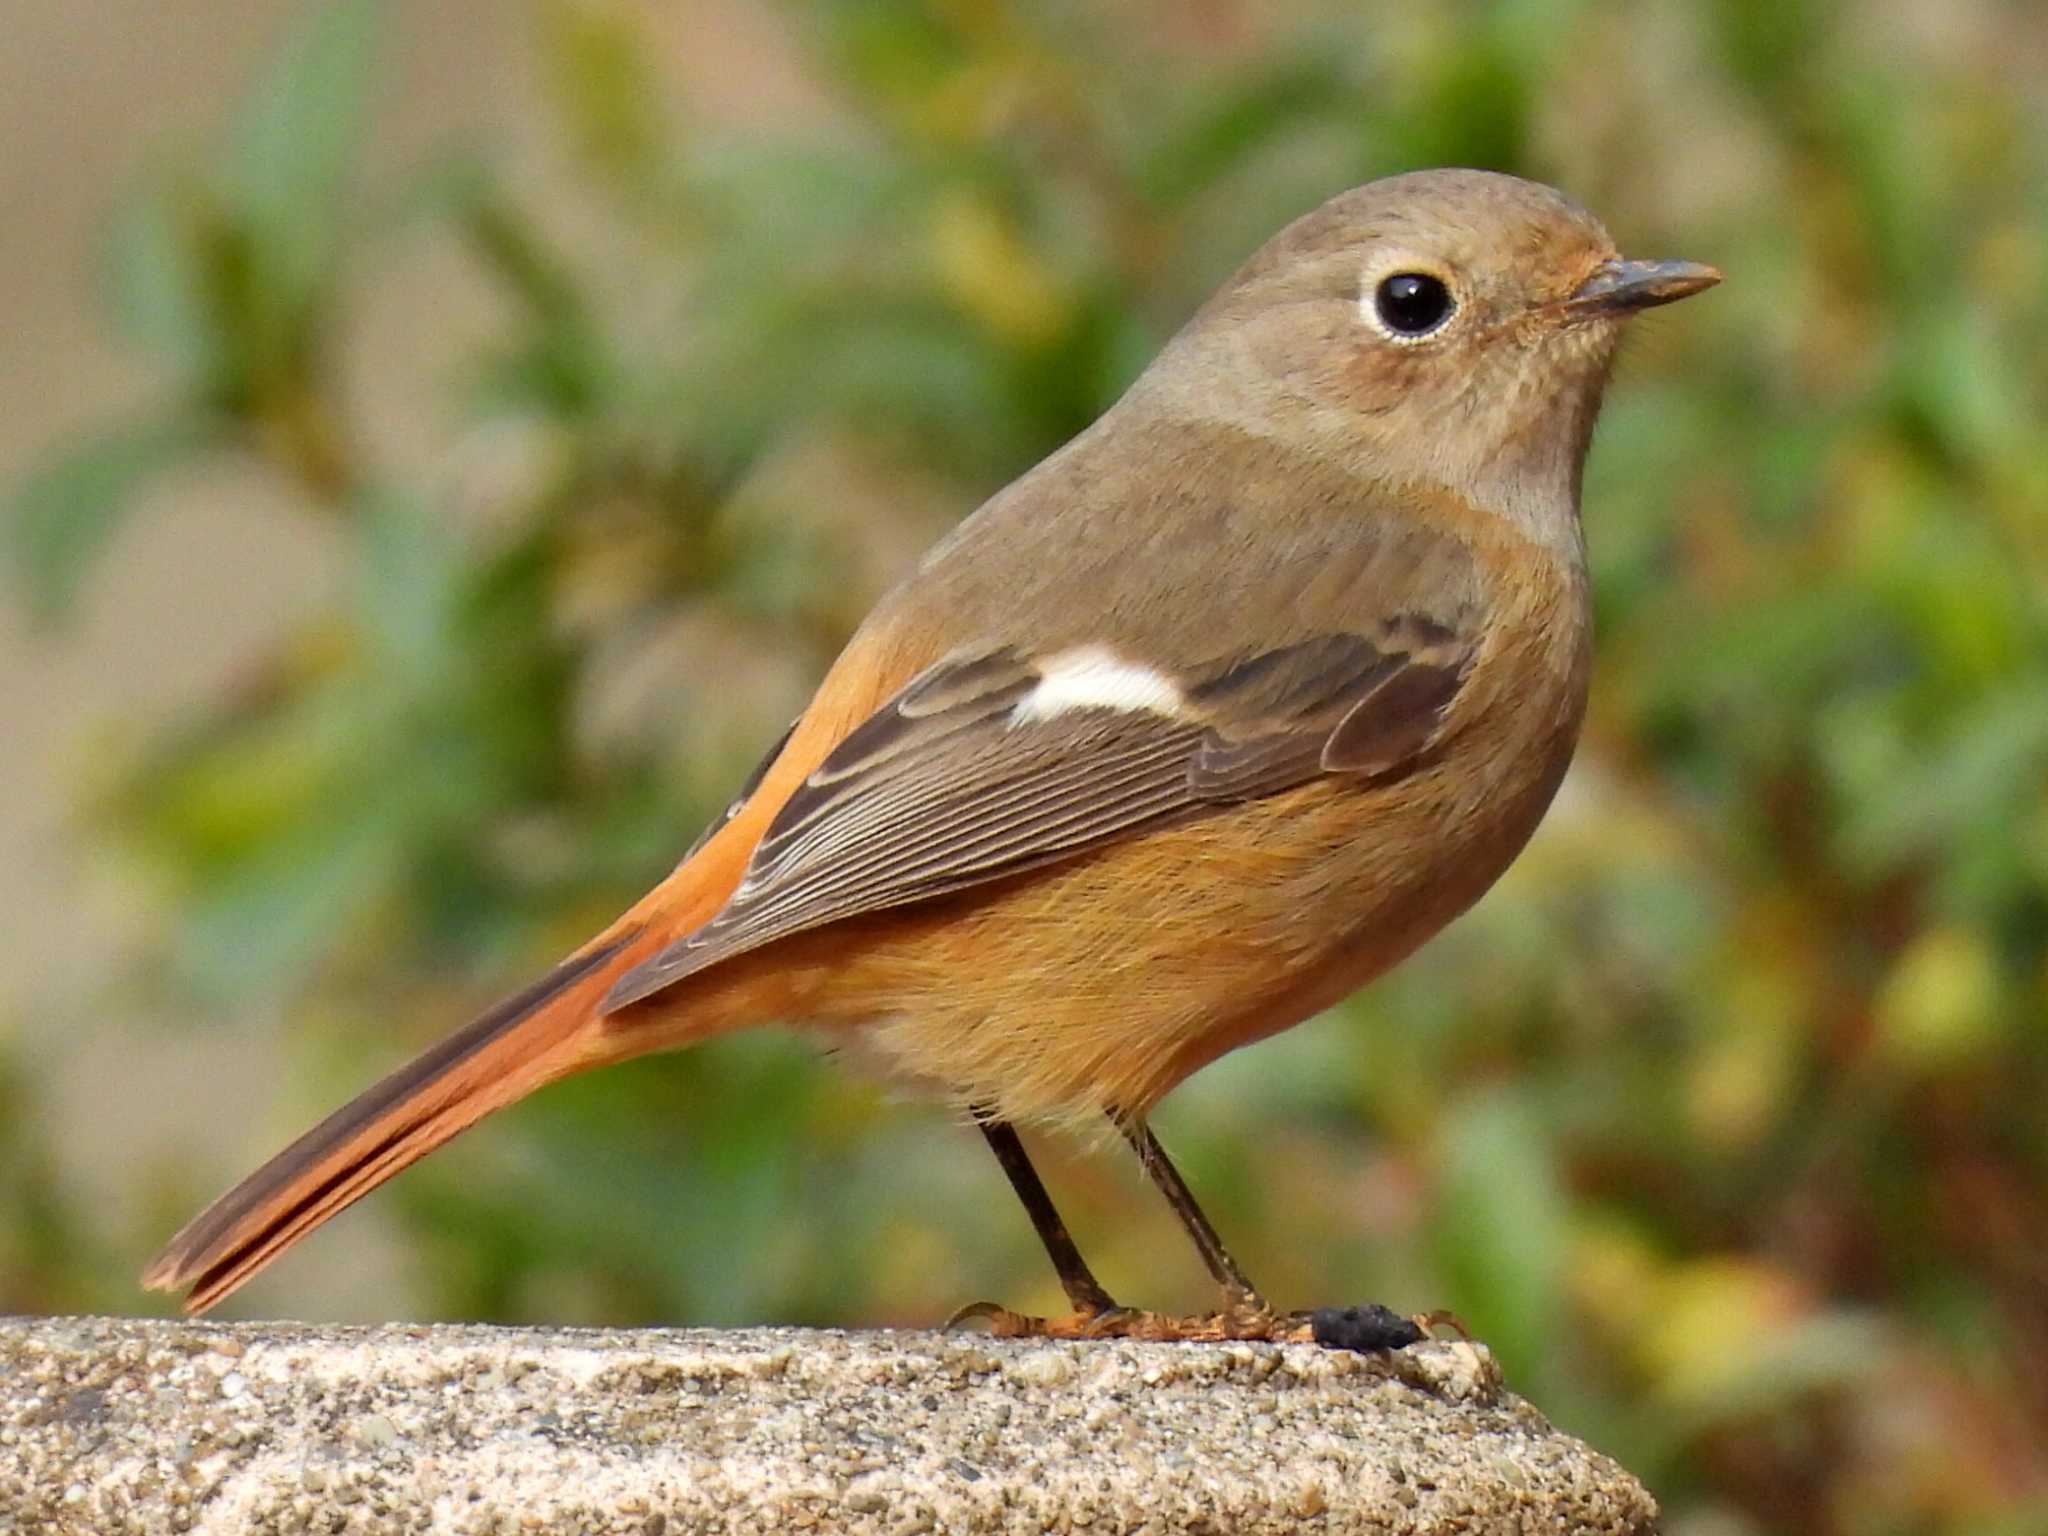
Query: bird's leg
[[1091, 1303], [1237, 1291], [1245, 1313]]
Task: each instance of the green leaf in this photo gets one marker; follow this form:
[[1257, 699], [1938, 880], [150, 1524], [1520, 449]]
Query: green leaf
[[1986, 766], [156, 280], [276, 915], [604, 87], [1501, 1226], [294, 142], [1239, 122], [411, 572], [63, 517]]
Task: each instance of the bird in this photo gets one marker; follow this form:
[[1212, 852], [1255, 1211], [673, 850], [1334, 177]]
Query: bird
[[1198, 726]]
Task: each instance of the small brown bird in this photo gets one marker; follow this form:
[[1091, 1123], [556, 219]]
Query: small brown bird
[[1192, 730]]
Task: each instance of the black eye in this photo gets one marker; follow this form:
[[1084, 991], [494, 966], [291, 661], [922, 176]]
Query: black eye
[[1412, 303]]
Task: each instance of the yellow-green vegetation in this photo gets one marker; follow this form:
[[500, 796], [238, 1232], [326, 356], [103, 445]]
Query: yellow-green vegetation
[[1725, 1120]]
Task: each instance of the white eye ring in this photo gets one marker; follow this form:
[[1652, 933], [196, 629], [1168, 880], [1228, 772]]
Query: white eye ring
[[1407, 302]]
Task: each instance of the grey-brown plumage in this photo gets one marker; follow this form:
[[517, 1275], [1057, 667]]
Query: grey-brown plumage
[[1200, 724], [952, 785]]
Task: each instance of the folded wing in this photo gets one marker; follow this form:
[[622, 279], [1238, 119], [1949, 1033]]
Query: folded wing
[[990, 765]]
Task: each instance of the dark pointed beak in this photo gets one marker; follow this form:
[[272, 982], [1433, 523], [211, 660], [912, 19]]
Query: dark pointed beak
[[1617, 287]]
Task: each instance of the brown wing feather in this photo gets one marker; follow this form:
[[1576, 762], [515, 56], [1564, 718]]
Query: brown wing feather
[[747, 787], [948, 788]]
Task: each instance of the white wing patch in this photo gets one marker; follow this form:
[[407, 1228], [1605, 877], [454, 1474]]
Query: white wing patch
[[1092, 677]]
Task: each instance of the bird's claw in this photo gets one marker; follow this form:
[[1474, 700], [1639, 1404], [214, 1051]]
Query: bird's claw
[[1242, 1319], [1106, 1323]]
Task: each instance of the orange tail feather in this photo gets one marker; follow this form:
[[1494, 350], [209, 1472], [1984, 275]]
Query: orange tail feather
[[525, 1042]]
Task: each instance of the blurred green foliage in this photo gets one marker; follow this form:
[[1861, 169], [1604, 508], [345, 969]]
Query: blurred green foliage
[[1725, 1120]]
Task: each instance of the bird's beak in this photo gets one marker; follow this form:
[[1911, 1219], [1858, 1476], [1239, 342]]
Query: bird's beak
[[1618, 287]]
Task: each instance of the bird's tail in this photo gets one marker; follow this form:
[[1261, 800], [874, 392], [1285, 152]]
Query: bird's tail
[[525, 1042]]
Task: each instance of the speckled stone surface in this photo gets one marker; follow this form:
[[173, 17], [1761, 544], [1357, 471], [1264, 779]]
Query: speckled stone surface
[[113, 1426]]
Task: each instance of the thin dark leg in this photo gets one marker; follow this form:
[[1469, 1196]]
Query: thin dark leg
[[1162, 1172], [1244, 1315], [1083, 1290]]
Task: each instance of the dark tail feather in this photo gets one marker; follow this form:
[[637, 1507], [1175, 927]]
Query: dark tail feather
[[521, 1044]]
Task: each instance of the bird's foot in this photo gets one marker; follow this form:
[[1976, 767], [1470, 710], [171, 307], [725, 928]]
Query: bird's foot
[[1106, 1323], [1243, 1318], [1135, 1323]]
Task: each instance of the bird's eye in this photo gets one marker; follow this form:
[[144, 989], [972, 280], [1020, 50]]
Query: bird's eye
[[1412, 304]]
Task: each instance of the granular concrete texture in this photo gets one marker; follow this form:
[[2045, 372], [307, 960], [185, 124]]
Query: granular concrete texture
[[112, 1426]]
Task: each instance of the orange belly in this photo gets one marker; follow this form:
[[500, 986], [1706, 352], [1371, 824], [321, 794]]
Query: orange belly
[[1102, 983]]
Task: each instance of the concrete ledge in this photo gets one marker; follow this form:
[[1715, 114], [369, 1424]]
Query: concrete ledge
[[114, 1426]]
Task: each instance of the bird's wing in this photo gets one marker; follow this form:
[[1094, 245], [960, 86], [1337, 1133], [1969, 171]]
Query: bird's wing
[[990, 764]]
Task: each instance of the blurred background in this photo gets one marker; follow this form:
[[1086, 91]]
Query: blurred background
[[442, 446]]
